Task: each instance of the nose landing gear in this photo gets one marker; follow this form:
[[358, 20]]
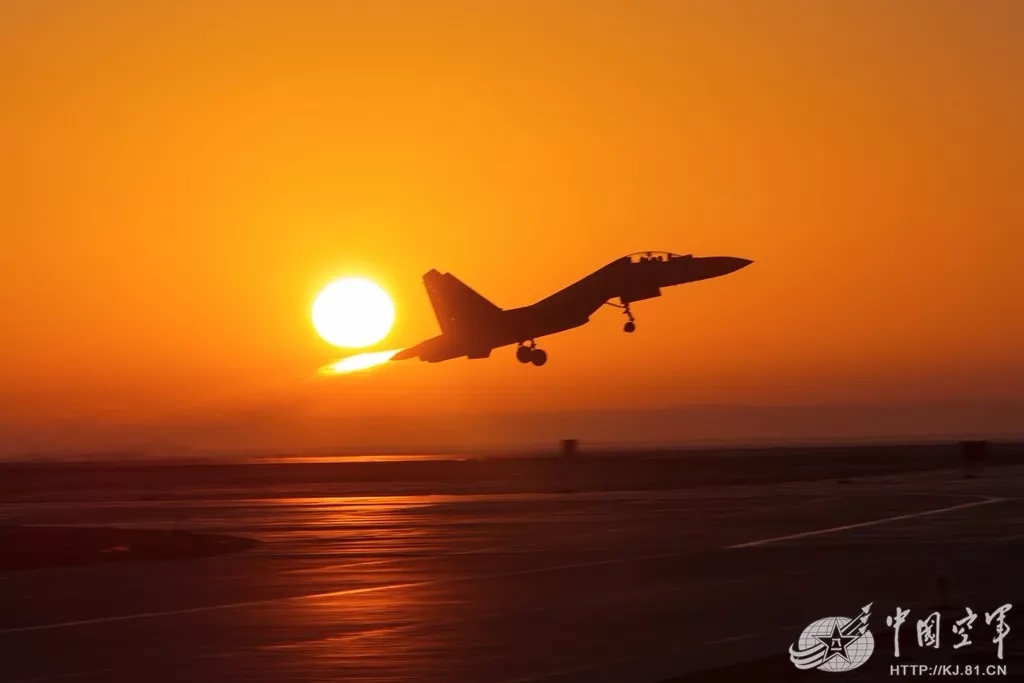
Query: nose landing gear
[[630, 325], [531, 354]]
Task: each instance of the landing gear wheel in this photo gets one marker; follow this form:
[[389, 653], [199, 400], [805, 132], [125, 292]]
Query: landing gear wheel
[[630, 326], [538, 357], [523, 354]]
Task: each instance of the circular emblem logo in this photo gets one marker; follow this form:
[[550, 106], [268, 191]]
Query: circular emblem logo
[[836, 644]]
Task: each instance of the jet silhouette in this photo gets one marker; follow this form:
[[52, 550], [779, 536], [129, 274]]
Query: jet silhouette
[[472, 326]]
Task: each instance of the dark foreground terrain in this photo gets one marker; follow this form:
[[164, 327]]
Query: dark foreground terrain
[[696, 567], [38, 547]]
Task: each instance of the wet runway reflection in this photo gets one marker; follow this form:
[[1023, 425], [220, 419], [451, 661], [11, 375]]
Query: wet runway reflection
[[594, 586]]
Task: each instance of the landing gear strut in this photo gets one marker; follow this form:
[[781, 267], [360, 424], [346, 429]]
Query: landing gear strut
[[531, 354], [630, 325]]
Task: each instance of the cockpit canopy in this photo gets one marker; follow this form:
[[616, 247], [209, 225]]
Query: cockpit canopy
[[655, 256]]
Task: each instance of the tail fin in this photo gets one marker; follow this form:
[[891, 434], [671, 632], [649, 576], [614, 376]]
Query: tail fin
[[455, 304]]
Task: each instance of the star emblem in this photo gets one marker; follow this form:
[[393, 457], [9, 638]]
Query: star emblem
[[836, 643]]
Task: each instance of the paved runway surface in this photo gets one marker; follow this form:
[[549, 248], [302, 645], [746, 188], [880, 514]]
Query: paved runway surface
[[601, 586]]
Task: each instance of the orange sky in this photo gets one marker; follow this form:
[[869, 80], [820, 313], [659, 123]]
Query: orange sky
[[181, 178]]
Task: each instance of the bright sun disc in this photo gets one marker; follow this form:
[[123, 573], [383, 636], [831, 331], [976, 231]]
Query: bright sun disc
[[353, 312]]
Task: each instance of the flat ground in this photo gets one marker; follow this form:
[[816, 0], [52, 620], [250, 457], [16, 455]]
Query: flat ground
[[462, 579]]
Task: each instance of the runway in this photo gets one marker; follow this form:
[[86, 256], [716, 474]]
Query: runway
[[597, 585]]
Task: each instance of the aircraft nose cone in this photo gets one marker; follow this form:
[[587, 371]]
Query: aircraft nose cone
[[735, 263], [723, 265]]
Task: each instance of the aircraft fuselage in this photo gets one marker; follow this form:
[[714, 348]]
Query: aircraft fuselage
[[475, 327]]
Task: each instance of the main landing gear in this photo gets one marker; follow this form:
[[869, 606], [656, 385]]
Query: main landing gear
[[630, 325], [531, 354]]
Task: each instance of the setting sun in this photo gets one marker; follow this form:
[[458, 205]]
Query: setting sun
[[353, 313]]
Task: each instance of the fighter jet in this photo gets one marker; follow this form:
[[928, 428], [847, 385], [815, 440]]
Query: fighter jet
[[472, 326]]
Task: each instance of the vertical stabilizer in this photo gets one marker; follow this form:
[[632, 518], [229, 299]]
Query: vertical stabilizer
[[456, 305]]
